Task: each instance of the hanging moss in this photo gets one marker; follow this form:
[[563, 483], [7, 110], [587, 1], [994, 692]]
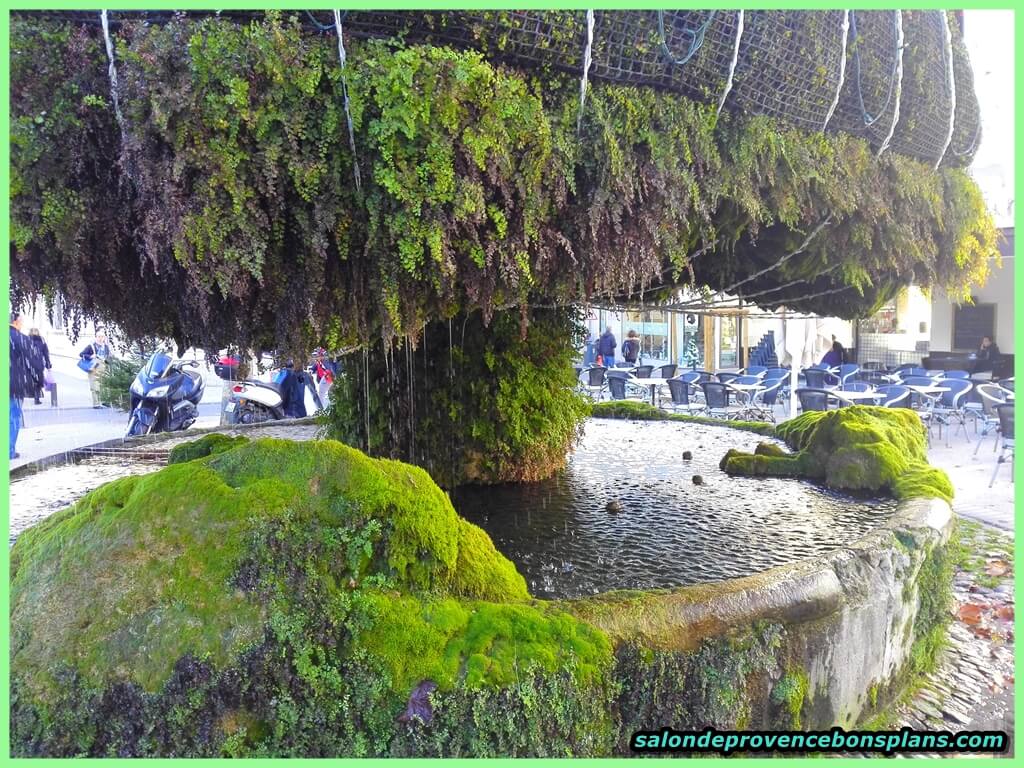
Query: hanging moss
[[237, 221], [471, 403], [858, 448]]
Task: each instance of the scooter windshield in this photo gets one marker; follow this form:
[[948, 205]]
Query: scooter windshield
[[157, 365]]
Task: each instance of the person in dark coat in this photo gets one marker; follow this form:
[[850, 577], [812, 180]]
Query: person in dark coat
[[987, 355], [40, 361], [606, 347], [22, 378], [834, 357]]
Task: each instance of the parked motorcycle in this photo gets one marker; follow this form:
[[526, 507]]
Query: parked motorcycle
[[164, 396], [255, 401]]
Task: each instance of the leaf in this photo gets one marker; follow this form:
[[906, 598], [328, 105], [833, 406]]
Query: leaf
[[971, 613]]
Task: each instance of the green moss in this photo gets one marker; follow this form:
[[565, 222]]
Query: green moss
[[215, 442], [476, 643], [317, 585], [790, 691], [861, 448], [634, 409]]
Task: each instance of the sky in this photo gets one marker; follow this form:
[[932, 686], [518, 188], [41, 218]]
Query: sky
[[989, 36]]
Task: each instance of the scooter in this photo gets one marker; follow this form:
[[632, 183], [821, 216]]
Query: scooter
[[254, 401], [164, 396]]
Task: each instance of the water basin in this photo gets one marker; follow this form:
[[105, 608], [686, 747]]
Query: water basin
[[669, 532]]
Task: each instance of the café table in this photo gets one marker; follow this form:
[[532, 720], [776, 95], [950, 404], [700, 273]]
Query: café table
[[652, 382]]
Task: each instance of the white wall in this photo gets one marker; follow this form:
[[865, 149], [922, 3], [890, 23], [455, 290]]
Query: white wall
[[998, 290]]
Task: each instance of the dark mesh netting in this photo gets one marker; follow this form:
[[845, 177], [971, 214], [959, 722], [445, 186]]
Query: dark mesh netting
[[788, 65], [967, 126], [924, 104], [868, 98]]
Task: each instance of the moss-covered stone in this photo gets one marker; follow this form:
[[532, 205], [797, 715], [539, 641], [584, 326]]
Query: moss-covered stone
[[634, 409], [276, 598], [215, 442], [860, 448]]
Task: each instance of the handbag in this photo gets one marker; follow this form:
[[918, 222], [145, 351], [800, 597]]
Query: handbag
[[88, 365], [48, 379]]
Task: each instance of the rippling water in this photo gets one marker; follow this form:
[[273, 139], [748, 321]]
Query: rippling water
[[670, 532]]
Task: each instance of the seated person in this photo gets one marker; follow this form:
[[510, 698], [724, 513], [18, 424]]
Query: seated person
[[834, 357], [988, 353]]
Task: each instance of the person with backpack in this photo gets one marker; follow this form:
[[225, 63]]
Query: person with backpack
[[631, 347], [22, 378], [94, 361]]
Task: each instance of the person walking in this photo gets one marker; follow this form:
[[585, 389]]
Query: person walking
[[606, 347], [631, 347], [22, 378], [99, 351], [40, 362]]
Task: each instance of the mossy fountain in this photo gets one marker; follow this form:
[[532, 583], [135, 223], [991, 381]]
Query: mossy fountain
[[264, 597]]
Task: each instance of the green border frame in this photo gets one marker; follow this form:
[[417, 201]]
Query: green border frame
[[450, 4]]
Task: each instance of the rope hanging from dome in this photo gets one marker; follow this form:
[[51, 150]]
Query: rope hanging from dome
[[842, 69], [898, 81], [735, 59], [344, 92], [587, 57], [950, 87]]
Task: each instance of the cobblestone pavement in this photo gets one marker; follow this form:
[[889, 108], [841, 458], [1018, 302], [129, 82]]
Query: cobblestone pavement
[[973, 685]]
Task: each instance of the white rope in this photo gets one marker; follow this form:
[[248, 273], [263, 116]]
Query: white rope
[[732, 65], [785, 257], [952, 86], [586, 69], [112, 71], [842, 70], [899, 83], [344, 92]]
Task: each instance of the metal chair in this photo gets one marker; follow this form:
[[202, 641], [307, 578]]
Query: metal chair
[[726, 376], [617, 387], [847, 372], [949, 408], [856, 386], [593, 381], [895, 396], [992, 396], [816, 399], [680, 396], [716, 399], [1005, 413], [643, 371], [762, 405], [903, 373], [666, 371], [957, 375], [755, 370], [815, 377], [777, 373]]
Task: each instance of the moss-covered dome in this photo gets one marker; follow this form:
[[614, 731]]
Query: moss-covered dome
[[269, 597]]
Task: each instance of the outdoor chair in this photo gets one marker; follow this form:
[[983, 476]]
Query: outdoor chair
[[777, 373], [992, 396], [755, 370], [617, 387], [903, 373], [1005, 413], [680, 392], [1006, 384], [716, 399], [643, 371], [593, 381], [666, 371], [762, 405], [816, 399], [935, 374], [949, 409], [856, 386], [726, 376], [895, 396], [847, 372], [703, 375], [872, 365], [815, 377], [957, 375]]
